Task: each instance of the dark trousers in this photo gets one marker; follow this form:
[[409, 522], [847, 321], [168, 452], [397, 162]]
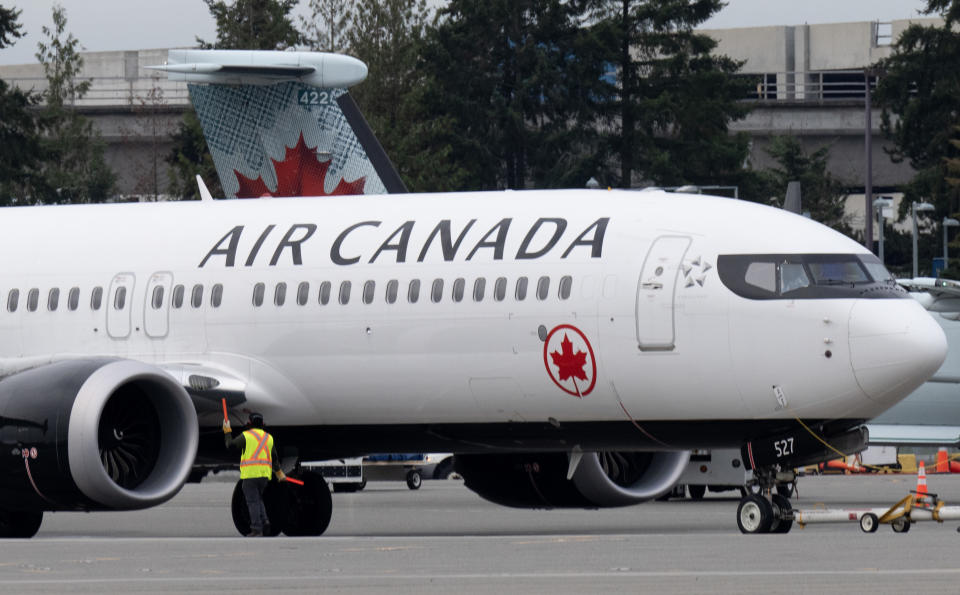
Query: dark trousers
[[253, 491]]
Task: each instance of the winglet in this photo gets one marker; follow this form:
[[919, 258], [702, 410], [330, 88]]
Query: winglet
[[204, 193]]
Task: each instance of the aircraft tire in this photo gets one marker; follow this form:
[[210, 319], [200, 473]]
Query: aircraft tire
[[272, 501], [19, 524], [309, 507], [781, 507], [696, 491], [754, 515]]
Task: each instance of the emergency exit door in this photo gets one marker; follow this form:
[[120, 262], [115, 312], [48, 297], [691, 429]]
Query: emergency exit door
[[656, 293], [118, 305], [156, 310]]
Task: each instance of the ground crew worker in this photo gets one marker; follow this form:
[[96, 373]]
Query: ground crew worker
[[257, 463]]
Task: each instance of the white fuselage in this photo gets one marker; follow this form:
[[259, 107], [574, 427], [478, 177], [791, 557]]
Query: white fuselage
[[638, 273]]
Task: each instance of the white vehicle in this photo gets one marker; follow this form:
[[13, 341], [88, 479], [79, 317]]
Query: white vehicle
[[569, 346], [343, 475]]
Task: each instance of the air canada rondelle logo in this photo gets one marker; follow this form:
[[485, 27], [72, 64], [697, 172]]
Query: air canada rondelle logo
[[569, 360]]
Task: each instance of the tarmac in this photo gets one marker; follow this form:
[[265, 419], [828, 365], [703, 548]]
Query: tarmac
[[443, 538]]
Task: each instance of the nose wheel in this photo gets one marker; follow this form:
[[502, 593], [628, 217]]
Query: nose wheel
[[765, 508]]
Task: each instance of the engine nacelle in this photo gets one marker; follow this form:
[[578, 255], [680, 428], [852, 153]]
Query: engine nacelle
[[94, 434], [601, 479]]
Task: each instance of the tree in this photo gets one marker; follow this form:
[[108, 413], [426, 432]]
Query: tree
[[505, 82], [823, 194], [326, 29], [252, 25], [672, 101], [74, 169], [919, 92], [20, 150]]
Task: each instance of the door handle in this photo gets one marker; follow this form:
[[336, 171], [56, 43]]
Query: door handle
[[652, 285]]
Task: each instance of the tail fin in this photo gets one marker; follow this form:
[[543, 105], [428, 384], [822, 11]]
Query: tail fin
[[283, 123]]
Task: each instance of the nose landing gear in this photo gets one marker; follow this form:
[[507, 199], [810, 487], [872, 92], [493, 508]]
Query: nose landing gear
[[765, 508]]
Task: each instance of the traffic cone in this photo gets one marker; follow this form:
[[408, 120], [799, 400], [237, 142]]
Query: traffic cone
[[943, 462], [921, 492]]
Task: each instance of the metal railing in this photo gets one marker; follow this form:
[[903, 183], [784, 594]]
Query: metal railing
[[119, 91], [811, 87]]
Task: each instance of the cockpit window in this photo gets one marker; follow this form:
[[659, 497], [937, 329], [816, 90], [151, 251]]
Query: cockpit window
[[807, 276], [792, 276], [838, 273], [878, 272]]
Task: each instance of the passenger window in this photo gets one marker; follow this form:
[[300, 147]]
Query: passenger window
[[156, 301], [280, 294], [458, 286], [96, 298], [762, 275], [566, 282], [521, 293], [258, 290], [53, 299], [345, 293], [792, 276], [196, 296], [216, 295], [543, 288], [393, 287], [303, 293], [177, 300], [478, 287], [325, 293], [413, 291], [13, 300], [436, 293], [33, 297], [369, 288], [119, 298], [73, 298], [500, 289]]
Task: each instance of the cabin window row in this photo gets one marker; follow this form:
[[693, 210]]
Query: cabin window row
[[119, 298], [478, 291]]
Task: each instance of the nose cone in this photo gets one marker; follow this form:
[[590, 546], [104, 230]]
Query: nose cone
[[895, 346]]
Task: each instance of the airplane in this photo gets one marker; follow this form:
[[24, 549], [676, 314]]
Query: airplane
[[570, 346]]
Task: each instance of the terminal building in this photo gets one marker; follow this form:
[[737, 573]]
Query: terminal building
[[811, 84]]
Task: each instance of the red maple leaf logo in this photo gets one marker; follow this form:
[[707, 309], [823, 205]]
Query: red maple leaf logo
[[299, 174], [570, 363]]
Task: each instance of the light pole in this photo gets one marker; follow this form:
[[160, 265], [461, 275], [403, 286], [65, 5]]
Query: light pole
[[947, 222], [880, 204], [914, 207]]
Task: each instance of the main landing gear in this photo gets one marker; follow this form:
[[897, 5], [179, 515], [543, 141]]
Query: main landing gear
[[293, 509], [765, 508]]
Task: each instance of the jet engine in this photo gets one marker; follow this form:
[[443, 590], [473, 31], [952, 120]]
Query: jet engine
[[600, 479], [94, 434]]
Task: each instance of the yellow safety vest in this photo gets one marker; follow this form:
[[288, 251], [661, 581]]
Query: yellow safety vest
[[255, 460]]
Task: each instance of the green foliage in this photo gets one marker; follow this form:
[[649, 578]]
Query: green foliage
[[672, 101], [822, 194], [74, 169], [506, 79], [10, 27], [20, 150], [329, 23], [919, 91], [252, 25]]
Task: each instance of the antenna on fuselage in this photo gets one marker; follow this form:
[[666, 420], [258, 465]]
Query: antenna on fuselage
[[204, 192]]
